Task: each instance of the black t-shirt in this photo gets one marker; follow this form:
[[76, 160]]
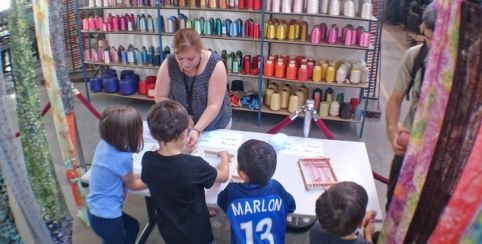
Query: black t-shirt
[[319, 235], [177, 187]]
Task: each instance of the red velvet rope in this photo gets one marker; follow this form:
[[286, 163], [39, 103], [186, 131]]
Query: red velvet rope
[[285, 122], [324, 129]]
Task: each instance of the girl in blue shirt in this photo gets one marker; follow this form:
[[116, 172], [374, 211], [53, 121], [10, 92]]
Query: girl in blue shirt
[[112, 174]]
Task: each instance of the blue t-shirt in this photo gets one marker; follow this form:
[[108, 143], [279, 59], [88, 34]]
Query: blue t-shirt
[[106, 188], [257, 213]]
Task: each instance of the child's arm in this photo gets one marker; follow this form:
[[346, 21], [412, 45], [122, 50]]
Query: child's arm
[[369, 225], [133, 181], [223, 168]]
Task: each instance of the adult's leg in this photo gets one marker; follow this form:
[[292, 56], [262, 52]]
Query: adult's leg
[[393, 177], [131, 227], [110, 230]]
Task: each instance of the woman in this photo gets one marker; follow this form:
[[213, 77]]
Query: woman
[[197, 79]]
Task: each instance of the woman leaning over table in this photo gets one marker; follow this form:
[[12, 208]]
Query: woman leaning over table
[[196, 78]]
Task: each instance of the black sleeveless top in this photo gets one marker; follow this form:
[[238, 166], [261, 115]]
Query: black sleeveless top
[[199, 98]]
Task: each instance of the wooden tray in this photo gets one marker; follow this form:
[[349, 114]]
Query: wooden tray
[[317, 173]]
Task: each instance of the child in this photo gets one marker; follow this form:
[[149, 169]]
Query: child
[[256, 208], [176, 180], [120, 130], [340, 211]]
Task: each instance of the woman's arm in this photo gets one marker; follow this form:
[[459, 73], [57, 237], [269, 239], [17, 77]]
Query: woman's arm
[[133, 181], [162, 83], [216, 93]]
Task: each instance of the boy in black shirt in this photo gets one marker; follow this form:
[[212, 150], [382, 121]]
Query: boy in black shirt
[[176, 181], [340, 211]]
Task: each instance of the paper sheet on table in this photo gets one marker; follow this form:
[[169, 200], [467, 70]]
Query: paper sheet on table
[[221, 139], [304, 147]]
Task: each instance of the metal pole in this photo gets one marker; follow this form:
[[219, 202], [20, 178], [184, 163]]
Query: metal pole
[[309, 108]]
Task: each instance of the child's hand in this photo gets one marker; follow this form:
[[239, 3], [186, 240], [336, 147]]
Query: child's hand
[[224, 155], [368, 225]]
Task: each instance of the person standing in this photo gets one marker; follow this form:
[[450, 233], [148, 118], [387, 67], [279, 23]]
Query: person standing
[[408, 84], [197, 79]]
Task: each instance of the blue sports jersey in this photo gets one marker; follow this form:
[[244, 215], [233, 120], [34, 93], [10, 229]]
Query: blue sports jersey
[[257, 213]]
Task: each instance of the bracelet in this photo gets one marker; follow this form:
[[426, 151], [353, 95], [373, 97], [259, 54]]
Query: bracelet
[[196, 130]]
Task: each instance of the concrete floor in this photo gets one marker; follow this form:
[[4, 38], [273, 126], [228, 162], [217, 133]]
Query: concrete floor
[[378, 148]]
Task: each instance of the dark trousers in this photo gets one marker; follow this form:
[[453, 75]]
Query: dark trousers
[[393, 178], [119, 230]]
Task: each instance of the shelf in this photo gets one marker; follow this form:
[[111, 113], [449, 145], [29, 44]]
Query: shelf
[[120, 32], [118, 7], [235, 10], [324, 16], [243, 109], [284, 111], [359, 85], [322, 44], [133, 96], [124, 65]]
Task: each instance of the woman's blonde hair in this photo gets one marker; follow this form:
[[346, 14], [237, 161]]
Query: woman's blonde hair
[[185, 39]]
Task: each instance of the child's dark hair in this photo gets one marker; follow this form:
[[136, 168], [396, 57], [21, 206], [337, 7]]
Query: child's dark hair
[[121, 127], [167, 120], [257, 159], [341, 209]]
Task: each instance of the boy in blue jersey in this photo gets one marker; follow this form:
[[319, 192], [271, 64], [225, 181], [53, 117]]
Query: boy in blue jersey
[[256, 208]]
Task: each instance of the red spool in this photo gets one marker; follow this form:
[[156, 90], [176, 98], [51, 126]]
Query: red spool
[[142, 87], [247, 64]]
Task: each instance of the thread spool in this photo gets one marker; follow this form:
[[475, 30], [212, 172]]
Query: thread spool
[[355, 75], [324, 6], [315, 35], [298, 6], [302, 97], [341, 74], [95, 84], [110, 84], [291, 71], [313, 6], [276, 6], [334, 8], [340, 98], [349, 8], [125, 73], [317, 93], [330, 74], [324, 108], [286, 6], [294, 103], [354, 103], [303, 73], [346, 111], [304, 31], [285, 97], [364, 75], [275, 103], [367, 9], [358, 113], [365, 39], [329, 95], [267, 96], [324, 70], [269, 68], [323, 29], [280, 69], [333, 34], [317, 71], [334, 108], [274, 86], [127, 86], [310, 66], [142, 88]]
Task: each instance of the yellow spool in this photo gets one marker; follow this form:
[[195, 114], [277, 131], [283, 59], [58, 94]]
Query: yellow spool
[[294, 103], [267, 96], [285, 97], [275, 103], [330, 74], [317, 73]]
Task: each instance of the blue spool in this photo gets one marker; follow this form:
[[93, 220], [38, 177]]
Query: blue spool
[[111, 72], [125, 73], [127, 86], [95, 84], [110, 83]]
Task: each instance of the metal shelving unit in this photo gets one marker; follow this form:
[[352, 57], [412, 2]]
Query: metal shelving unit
[[370, 52]]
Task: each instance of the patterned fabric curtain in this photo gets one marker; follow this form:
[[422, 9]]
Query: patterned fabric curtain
[[428, 122]]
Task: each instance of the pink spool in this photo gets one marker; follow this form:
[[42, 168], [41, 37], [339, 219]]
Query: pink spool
[[365, 39], [115, 23], [353, 37], [344, 30], [348, 37], [123, 23], [95, 56], [91, 23], [105, 27], [359, 30], [85, 24], [98, 23], [333, 34], [315, 35], [323, 29]]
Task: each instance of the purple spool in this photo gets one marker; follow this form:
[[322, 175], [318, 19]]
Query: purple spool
[[124, 73], [127, 86], [110, 84], [96, 84]]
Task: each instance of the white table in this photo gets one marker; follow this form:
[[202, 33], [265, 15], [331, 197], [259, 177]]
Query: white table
[[349, 161]]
